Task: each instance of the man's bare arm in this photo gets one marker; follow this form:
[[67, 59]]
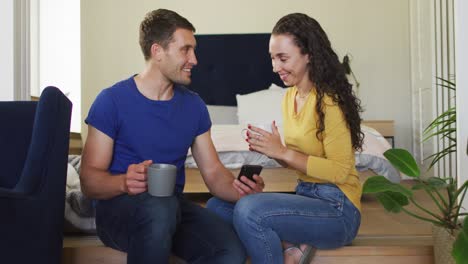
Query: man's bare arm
[[96, 180], [218, 179]]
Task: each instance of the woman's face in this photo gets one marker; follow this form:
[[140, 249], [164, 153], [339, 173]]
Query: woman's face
[[288, 62]]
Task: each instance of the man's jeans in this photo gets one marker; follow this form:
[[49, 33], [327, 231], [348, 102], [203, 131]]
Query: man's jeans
[[318, 214], [150, 228]]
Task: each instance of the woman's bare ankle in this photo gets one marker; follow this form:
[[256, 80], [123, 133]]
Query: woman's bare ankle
[[287, 244]]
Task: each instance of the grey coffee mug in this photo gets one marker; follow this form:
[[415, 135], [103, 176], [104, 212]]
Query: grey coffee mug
[[161, 179]]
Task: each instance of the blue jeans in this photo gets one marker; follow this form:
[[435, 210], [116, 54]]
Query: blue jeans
[[318, 214], [149, 228]]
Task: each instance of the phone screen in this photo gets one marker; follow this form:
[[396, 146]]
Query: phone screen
[[249, 171]]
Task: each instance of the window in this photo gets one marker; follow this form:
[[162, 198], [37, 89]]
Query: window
[[55, 51], [6, 50]]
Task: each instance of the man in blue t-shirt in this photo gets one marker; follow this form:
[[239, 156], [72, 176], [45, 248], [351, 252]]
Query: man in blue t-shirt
[[150, 117]]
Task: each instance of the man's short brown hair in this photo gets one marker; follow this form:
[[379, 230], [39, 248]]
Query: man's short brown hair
[[158, 27]]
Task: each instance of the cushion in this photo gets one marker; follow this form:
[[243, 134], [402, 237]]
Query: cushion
[[222, 115], [261, 107]]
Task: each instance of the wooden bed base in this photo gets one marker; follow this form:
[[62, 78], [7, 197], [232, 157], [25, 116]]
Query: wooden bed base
[[385, 127], [276, 180]]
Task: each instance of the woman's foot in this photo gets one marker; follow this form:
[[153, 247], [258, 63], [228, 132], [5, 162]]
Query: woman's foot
[[294, 254], [308, 253]]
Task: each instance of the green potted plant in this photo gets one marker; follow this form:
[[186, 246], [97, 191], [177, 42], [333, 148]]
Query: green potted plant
[[443, 192], [443, 126]]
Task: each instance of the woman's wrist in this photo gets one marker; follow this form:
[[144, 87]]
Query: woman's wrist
[[283, 154]]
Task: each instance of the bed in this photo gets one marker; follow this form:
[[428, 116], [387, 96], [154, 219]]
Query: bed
[[235, 79], [233, 153]]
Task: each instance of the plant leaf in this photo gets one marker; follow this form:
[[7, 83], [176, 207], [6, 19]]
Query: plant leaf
[[430, 184], [403, 161], [439, 155], [446, 83], [392, 202], [446, 86], [436, 183], [418, 186], [443, 132], [459, 252], [443, 127], [380, 184]]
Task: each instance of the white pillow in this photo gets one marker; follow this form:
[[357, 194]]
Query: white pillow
[[221, 114], [261, 107]]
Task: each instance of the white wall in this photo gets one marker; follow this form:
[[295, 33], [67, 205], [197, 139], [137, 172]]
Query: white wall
[[6, 51], [461, 22], [376, 33]]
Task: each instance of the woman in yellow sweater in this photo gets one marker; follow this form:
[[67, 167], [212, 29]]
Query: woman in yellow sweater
[[321, 133]]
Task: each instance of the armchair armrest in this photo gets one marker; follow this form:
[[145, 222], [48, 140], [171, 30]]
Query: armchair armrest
[[12, 194]]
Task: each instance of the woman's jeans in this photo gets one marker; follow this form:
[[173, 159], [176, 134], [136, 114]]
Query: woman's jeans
[[149, 228], [318, 214]]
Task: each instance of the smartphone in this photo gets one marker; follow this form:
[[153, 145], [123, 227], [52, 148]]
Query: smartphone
[[249, 171]]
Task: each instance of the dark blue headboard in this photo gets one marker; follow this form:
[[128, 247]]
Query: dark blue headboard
[[231, 64]]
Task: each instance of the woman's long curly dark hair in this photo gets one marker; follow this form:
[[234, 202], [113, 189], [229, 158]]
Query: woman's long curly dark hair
[[325, 71]]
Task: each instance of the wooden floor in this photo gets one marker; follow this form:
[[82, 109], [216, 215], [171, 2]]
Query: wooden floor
[[383, 238]]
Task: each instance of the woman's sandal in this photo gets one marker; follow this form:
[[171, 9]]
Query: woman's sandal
[[307, 254]]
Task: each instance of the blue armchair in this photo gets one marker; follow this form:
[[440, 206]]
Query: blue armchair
[[34, 138]]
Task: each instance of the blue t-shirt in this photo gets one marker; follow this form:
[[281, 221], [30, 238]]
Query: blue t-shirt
[[144, 129]]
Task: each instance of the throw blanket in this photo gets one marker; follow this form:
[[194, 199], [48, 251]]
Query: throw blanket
[[79, 210]]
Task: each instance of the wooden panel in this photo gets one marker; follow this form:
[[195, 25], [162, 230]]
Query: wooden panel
[[396, 241], [426, 259], [100, 255], [385, 127], [276, 179], [93, 255], [375, 221], [377, 250], [383, 238], [347, 255], [75, 144], [418, 251]]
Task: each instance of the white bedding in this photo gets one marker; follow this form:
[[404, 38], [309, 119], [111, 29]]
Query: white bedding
[[233, 151], [79, 210]]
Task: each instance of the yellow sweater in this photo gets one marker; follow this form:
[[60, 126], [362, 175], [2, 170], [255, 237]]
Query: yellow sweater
[[331, 160]]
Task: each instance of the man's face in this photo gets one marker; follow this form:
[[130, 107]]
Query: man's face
[[179, 58]]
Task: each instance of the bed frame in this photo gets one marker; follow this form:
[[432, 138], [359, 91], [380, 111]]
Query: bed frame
[[231, 64]]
